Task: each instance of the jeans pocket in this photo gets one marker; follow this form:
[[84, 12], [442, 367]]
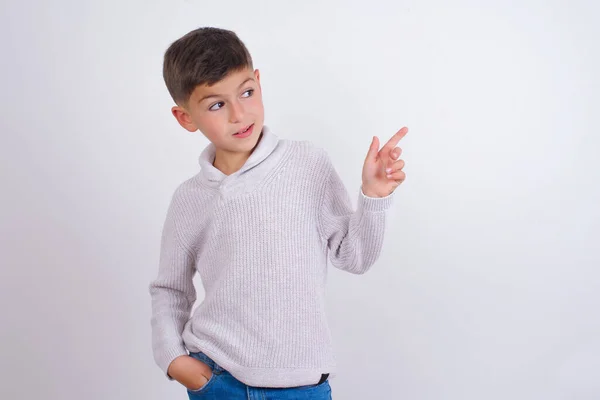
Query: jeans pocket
[[205, 386], [204, 358]]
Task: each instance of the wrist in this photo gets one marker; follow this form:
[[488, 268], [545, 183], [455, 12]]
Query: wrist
[[371, 193]]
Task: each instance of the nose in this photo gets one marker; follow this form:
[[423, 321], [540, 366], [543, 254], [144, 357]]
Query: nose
[[236, 112]]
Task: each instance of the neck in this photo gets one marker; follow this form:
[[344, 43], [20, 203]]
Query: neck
[[228, 163]]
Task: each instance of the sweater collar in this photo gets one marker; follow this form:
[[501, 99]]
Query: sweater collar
[[266, 144]]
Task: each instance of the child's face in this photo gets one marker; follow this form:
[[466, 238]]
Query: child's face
[[224, 109]]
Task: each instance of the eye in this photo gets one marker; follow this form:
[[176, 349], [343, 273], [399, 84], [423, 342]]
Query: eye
[[250, 91], [214, 106]]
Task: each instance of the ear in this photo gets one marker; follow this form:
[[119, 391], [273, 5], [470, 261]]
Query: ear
[[184, 119], [257, 75]]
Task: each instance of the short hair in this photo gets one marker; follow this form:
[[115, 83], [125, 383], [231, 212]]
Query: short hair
[[203, 56]]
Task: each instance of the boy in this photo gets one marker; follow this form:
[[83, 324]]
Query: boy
[[258, 223]]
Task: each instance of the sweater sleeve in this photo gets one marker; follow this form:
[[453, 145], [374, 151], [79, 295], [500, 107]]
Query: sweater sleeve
[[354, 237], [172, 293]]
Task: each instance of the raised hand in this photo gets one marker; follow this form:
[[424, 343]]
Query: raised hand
[[382, 171]]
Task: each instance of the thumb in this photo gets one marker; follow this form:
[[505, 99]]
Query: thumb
[[374, 149]]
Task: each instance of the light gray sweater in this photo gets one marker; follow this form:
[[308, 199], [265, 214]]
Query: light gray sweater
[[260, 239]]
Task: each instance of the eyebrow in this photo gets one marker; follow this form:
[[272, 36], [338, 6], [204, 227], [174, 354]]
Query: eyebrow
[[218, 95]]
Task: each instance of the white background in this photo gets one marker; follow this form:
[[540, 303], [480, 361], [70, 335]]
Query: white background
[[488, 284]]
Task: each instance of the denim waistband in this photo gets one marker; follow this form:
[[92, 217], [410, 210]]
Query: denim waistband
[[218, 369], [208, 361]]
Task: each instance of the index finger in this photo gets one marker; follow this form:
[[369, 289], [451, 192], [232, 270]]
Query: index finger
[[395, 139]]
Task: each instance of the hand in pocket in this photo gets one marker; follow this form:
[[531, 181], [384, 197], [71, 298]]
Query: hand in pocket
[[190, 372]]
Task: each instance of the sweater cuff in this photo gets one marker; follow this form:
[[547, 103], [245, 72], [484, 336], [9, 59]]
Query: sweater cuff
[[168, 356], [375, 204]]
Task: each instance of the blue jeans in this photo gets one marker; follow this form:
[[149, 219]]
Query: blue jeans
[[223, 385]]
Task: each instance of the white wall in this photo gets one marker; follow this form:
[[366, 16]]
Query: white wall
[[488, 286]]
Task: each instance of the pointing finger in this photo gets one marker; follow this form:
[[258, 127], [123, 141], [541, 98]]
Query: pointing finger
[[394, 141]]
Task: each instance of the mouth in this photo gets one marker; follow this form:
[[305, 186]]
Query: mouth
[[247, 131]]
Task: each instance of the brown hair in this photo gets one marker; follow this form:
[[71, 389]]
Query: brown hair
[[203, 56]]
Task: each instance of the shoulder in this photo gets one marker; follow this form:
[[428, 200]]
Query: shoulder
[[187, 194], [185, 188], [308, 154]]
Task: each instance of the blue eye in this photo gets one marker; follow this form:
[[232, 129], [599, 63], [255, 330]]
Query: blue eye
[[220, 104], [251, 91]]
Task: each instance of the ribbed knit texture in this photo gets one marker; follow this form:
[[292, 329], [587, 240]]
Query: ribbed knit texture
[[260, 239]]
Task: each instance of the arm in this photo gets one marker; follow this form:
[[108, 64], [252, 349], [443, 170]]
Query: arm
[[354, 237], [172, 294]]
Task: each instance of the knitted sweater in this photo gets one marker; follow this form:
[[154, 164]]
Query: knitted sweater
[[260, 239]]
